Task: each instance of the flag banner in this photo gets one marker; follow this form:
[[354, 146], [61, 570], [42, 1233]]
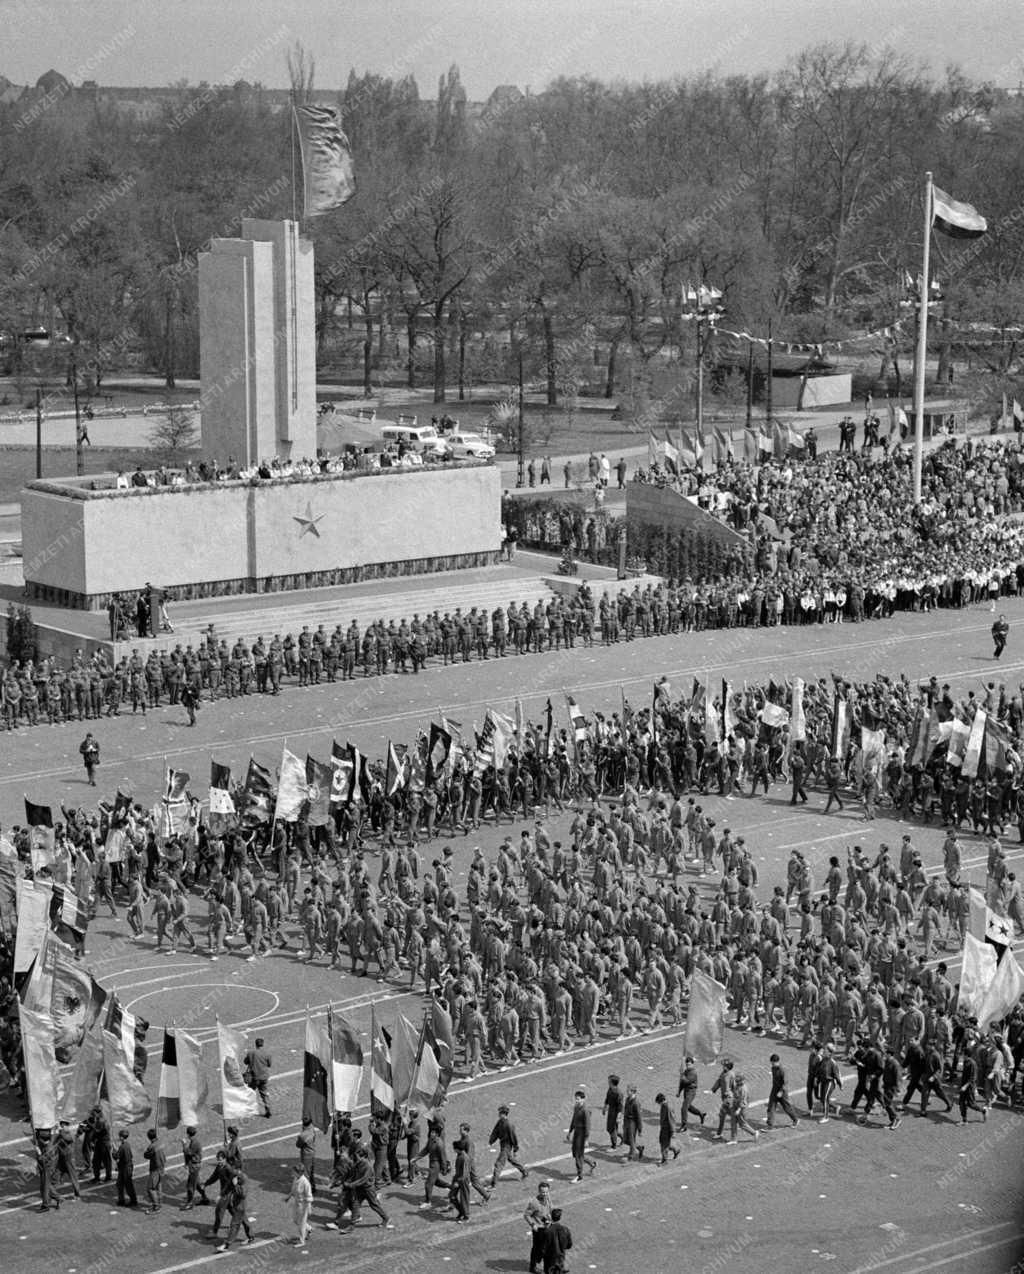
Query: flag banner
[[258, 794], [319, 780], [316, 1069], [705, 1018], [121, 809], [484, 747], [729, 722], [549, 729], [956, 742], [1005, 989], [764, 441], [918, 737], [237, 1099], [986, 924], [168, 1107], [41, 841], [1018, 415], [129, 1101], [346, 1063], [653, 450], [33, 922], [327, 171], [724, 446], [773, 716], [780, 442], [712, 722], [83, 1089], [443, 1040], [671, 454], [221, 802], [438, 750], [177, 782], [504, 732], [382, 1091], [797, 719], [220, 776], [750, 448], [872, 743], [131, 1031], [291, 788], [173, 817], [360, 793], [37, 993], [794, 439], [77, 999], [404, 1046], [975, 740], [42, 1075], [995, 747], [958, 220], [427, 1077], [577, 721], [183, 1089], [66, 908], [687, 449], [417, 766], [341, 776], [976, 973], [394, 776], [11, 872], [520, 722], [114, 845]]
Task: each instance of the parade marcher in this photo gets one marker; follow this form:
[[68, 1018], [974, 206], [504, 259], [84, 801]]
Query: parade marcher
[[125, 1164], [258, 1062], [666, 1128], [778, 1098], [300, 1202], [156, 1157], [503, 1134], [579, 1134]]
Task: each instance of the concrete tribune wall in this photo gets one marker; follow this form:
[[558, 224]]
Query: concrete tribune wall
[[258, 537]]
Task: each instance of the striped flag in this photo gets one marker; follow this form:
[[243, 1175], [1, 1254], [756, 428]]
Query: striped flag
[[316, 1068], [183, 1088], [958, 220], [131, 1031], [840, 726], [129, 1101], [222, 805], [341, 780], [382, 1090], [327, 170], [258, 794], [394, 777], [975, 742], [576, 720], [238, 1100], [346, 1063], [42, 1075], [427, 1075]]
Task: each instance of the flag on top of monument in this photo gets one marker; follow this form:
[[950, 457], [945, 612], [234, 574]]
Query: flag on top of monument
[[257, 794], [183, 1089], [291, 788], [705, 1018], [328, 175], [346, 1063], [976, 973], [129, 1101], [959, 220], [42, 1074], [319, 781], [238, 1100], [438, 749], [382, 1092], [1005, 989], [41, 836], [316, 1069]]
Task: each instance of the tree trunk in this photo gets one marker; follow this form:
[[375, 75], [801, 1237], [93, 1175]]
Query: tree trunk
[[410, 340], [613, 353], [440, 366], [463, 329], [944, 372], [550, 359], [169, 341], [367, 347]]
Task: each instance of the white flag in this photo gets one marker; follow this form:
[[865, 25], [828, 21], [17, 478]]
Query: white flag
[[1006, 989], [239, 1101], [976, 974]]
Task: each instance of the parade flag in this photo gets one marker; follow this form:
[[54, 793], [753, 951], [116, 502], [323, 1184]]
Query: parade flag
[[41, 837], [382, 1091], [1003, 993], [797, 719], [504, 731], [750, 447], [238, 1100], [520, 723], [258, 793], [360, 794], [918, 738], [131, 1031], [994, 750], [958, 220], [729, 721], [774, 716], [576, 721], [122, 807], [687, 449], [418, 766], [346, 1063], [724, 448], [705, 1018], [438, 750], [394, 775], [780, 442], [177, 782], [327, 171], [76, 999], [976, 974], [975, 742], [653, 449], [443, 1040], [83, 1090], [404, 1046], [183, 1088], [764, 441], [319, 779], [129, 1101], [222, 805], [840, 726], [985, 924], [37, 992], [33, 922], [549, 728], [1018, 415], [66, 908], [292, 788], [316, 1069], [341, 777], [956, 742], [671, 454], [220, 775], [872, 743], [699, 447], [794, 439], [427, 1076], [11, 873], [42, 1076], [627, 711]]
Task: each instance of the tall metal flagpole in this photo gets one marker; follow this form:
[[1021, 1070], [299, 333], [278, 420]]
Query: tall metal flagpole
[[922, 342]]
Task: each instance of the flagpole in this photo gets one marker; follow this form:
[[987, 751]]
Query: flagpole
[[291, 133], [922, 342]]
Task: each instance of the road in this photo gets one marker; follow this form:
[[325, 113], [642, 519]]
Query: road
[[932, 1195]]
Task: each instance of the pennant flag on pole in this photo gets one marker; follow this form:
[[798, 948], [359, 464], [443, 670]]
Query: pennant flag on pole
[[976, 974], [705, 1018], [958, 220], [328, 174], [129, 1101], [238, 1100], [316, 1066], [42, 1075], [404, 1047], [346, 1063], [382, 1091], [1004, 991]]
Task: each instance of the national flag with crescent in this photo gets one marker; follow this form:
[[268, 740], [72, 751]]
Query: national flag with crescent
[[341, 775], [327, 170]]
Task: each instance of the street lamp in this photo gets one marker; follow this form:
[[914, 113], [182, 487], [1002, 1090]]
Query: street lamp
[[701, 305]]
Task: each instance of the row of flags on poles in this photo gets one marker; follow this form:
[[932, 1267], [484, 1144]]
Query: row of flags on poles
[[695, 448]]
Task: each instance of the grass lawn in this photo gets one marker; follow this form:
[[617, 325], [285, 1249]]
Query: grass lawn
[[18, 465]]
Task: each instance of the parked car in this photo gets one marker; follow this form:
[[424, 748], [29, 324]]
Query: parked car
[[461, 444]]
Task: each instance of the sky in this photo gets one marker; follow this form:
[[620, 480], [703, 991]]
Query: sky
[[523, 42]]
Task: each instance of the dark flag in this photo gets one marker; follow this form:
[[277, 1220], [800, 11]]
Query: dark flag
[[258, 795], [220, 776], [319, 780], [341, 776], [437, 751]]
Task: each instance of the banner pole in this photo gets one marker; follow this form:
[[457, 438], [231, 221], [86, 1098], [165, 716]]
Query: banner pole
[[922, 342]]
